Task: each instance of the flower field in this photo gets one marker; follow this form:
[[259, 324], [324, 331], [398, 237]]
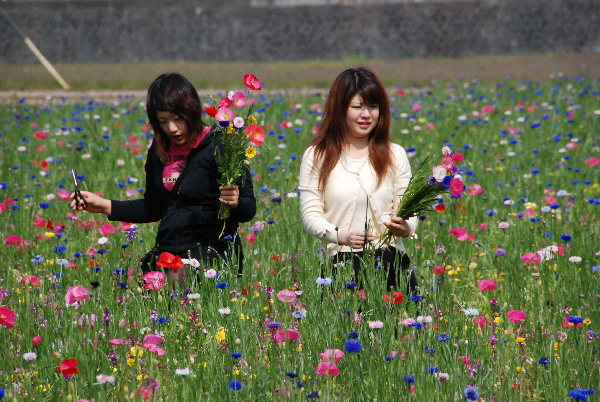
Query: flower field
[[508, 305]]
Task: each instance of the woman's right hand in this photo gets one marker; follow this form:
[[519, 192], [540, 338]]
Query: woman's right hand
[[355, 238], [95, 203]]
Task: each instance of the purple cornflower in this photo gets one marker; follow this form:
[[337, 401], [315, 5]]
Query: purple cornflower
[[500, 252]]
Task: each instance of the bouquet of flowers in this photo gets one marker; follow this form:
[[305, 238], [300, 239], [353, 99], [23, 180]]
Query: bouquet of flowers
[[239, 134], [433, 178]]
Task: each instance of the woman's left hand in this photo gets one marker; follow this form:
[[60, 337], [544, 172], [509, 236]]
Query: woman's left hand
[[398, 226], [230, 195]]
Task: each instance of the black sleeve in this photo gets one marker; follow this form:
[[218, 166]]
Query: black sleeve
[[246, 208], [147, 209]]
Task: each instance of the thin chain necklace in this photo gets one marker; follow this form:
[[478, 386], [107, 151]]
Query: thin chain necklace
[[352, 171]]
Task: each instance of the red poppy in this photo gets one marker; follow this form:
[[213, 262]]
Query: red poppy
[[211, 111], [168, 260], [397, 298], [252, 82], [33, 280], [440, 208], [68, 367], [7, 317], [13, 240], [256, 134]]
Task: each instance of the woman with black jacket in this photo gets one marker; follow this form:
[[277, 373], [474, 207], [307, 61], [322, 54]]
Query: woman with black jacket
[[183, 143]]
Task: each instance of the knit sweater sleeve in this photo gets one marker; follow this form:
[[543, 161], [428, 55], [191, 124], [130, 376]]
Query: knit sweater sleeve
[[312, 205], [144, 210]]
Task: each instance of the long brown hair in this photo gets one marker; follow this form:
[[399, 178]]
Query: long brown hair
[[332, 134], [175, 94]]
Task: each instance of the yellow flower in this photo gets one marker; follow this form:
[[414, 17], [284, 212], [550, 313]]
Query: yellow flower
[[130, 362], [242, 316], [49, 234], [587, 321], [230, 128], [250, 152], [251, 119], [520, 340], [220, 336], [137, 351], [141, 377], [498, 320], [518, 369]]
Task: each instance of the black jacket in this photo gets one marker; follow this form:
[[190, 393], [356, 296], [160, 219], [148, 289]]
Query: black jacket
[[192, 217]]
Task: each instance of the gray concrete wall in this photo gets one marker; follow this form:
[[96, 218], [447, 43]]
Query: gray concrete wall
[[269, 30]]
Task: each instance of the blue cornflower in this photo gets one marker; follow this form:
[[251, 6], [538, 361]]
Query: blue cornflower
[[38, 259], [2, 392], [579, 395], [291, 374], [415, 298], [274, 325], [235, 385], [162, 320], [471, 394], [122, 285], [221, 285], [228, 238], [432, 370], [489, 212], [416, 325], [101, 251], [44, 205], [299, 384], [543, 361], [390, 358], [443, 337], [575, 320], [353, 346], [352, 335], [236, 355], [350, 285], [409, 379], [120, 271], [313, 395], [60, 249], [565, 237]]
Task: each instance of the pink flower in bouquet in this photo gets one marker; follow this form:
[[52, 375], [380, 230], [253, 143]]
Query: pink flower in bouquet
[[76, 294], [225, 114], [331, 355], [446, 151], [487, 285], [516, 315], [256, 134], [252, 82], [458, 157], [225, 102], [447, 163], [238, 122], [456, 187], [286, 295], [107, 229], [155, 280], [286, 335], [239, 99]]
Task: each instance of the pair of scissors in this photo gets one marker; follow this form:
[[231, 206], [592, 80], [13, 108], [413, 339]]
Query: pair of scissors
[[79, 199]]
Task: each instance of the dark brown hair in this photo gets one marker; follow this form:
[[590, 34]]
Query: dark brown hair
[[332, 134], [175, 94]]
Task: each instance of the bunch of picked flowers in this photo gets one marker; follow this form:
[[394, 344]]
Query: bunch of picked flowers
[[433, 178], [239, 134]]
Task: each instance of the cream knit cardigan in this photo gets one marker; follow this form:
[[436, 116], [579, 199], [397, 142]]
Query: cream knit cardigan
[[323, 212]]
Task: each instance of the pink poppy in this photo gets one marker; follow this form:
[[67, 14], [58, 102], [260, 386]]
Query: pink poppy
[[7, 317], [416, 107], [76, 294], [225, 114], [487, 285], [460, 233], [125, 225], [155, 280], [325, 368], [116, 342], [591, 161], [151, 343], [225, 102], [476, 189], [40, 223], [40, 135], [250, 102], [130, 192], [13, 240], [551, 200], [516, 315], [107, 229], [487, 109], [239, 99], [251, 238], [252, 82], [286, 335], [447, 163], [481, 321], [503, 225], [456, 187], [332, 354], [533, 258], [33, 280], [483, 226], [286, 295], [438, 269], [256, 134], [64, 195]]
